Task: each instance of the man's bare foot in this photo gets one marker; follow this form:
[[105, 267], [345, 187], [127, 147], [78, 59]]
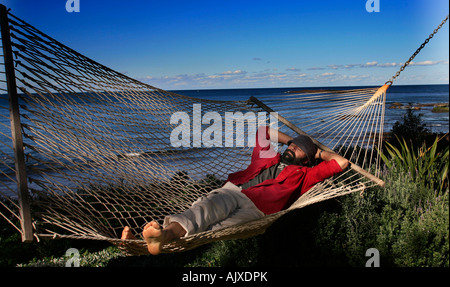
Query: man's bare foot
[[153, 235], [127, 234], [156, 237]]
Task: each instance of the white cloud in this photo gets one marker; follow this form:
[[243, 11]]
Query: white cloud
[[335, 67], [236, 72], [226, 79], [389, 65], [426, 63], [375, 64], [349, 66], [370, 64], [331, 74]]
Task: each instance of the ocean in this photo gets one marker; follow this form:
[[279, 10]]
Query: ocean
[[417, 95], [423, 96]]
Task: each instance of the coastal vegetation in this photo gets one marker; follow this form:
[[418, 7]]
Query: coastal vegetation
[[407, 222], [436, 107]]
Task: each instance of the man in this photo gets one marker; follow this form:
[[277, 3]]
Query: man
[[271, 183]]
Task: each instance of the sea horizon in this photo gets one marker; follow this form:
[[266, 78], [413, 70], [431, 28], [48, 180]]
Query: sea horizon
[[416, 95], [304, 87]]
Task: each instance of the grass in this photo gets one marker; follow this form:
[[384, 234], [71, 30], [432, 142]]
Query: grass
[[441, 109]]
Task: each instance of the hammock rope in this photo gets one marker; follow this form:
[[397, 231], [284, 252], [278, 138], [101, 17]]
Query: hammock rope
[[98, 154]]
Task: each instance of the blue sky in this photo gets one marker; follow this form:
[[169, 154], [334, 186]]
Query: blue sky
[[251, 44]]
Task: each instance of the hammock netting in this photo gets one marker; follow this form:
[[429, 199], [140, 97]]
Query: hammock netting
[[99, 156]]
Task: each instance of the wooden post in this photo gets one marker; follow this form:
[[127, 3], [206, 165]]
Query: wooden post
[[16, 131], [290, 125]]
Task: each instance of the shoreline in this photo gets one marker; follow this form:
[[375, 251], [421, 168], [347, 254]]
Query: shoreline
[[437, 107]]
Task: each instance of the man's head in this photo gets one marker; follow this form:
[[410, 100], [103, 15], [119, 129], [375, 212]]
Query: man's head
[[301, 151]]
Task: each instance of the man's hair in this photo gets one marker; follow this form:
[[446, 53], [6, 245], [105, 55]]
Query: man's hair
[[306, 144]]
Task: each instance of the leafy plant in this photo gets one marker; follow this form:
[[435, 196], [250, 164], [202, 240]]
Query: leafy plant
[[426, 165], [406, 222], [423, 239]]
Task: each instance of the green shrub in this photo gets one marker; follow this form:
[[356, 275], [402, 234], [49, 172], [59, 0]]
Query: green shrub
[[406, 230], [407, 221], [424, 242], [426, 166], [411, 127]]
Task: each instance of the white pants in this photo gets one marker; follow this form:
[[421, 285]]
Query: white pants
[[221, 207]]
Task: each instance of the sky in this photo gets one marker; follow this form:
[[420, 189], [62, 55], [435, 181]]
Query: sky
[[215, 44]]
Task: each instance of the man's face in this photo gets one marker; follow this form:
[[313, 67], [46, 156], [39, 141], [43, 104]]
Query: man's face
[[300, 155]]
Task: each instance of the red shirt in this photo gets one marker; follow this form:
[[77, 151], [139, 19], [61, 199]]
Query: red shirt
[[273, 195]]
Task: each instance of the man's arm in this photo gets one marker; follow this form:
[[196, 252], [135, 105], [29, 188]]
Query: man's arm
[[327, 156], [279, 137]]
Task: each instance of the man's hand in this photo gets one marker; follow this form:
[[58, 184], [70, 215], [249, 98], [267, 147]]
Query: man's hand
[[327, 156], [278, 137]]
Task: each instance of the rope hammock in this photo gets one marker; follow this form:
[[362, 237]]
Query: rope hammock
[[97, 155]]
